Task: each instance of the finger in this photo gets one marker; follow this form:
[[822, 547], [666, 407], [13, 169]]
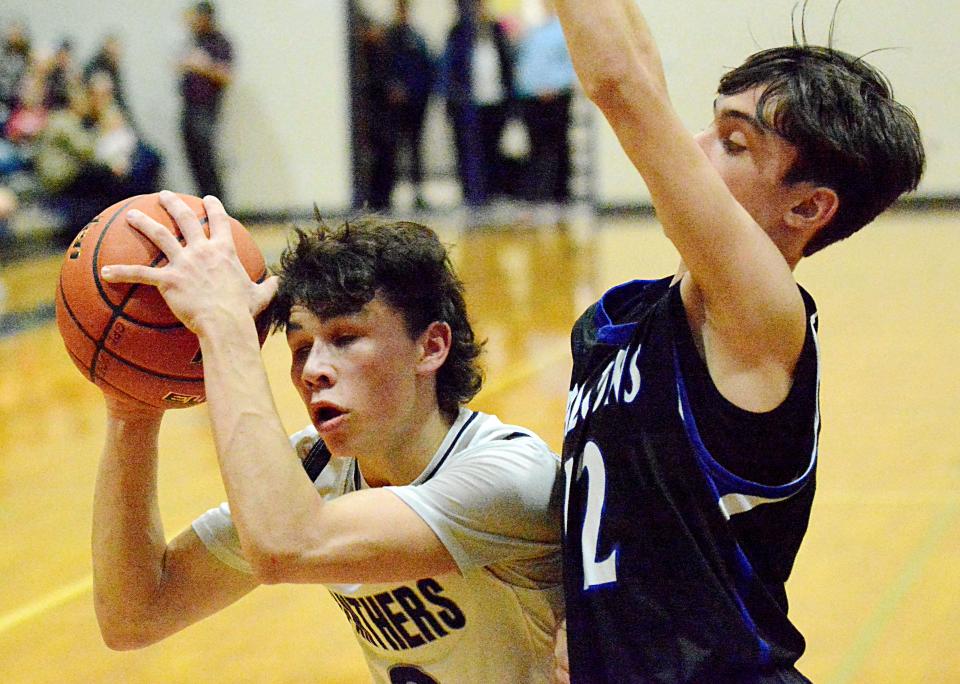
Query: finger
[[264, 294], [130, 273], [156, 232], [186, 219], [218, 219]]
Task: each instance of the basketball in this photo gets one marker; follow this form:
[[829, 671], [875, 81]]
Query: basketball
[[123, 336]]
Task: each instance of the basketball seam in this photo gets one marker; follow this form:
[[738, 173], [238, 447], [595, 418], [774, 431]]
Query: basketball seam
[[92, 338], [66, 307], [99, 344], [104, 381], [117, 310]]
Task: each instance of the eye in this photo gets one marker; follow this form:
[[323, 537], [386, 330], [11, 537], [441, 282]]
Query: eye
[[300, 354], [732, 147], [345, 339]]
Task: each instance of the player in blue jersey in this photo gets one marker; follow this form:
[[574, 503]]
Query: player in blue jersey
[[435, 528], [690, 446]]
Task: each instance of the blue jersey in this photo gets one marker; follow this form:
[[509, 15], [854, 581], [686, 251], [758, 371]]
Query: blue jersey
[[683, 512]]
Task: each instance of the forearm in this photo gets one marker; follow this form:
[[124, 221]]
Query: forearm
[[610, 44], [273, 504], [128, 539]]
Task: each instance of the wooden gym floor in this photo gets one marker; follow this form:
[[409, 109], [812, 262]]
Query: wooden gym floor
[[875, 588]]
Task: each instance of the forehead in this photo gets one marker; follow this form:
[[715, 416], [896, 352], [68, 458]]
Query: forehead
[[375, 313]]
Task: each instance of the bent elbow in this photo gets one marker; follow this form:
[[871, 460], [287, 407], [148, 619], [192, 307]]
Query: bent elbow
[[271, 566], [120, 637]]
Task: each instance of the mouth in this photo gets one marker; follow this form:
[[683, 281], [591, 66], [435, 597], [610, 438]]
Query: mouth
[[327, 416]]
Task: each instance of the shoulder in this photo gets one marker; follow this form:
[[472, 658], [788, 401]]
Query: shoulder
[[486, 436]]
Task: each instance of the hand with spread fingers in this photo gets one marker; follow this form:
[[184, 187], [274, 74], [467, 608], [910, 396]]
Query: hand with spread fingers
[[203, 281]]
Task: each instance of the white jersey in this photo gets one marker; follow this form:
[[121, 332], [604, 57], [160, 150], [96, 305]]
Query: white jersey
[[491, 495]]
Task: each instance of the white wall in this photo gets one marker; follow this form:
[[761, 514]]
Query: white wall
[[286, 131], [700, 39]]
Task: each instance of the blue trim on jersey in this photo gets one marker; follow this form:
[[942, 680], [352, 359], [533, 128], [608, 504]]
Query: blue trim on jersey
[[722, 479], [722, 482], [609, 332], [744, 571]]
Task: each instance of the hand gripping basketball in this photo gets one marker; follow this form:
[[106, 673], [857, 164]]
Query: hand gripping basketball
[[203, 281], [122, 334]]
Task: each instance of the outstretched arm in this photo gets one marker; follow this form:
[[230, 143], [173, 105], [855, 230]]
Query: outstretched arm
[[145, 588], [740, 293]]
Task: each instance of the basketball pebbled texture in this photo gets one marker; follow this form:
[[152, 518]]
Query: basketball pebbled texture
[[124, 337]]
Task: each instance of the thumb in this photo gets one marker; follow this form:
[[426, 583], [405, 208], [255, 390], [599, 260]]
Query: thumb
[[263, 294]]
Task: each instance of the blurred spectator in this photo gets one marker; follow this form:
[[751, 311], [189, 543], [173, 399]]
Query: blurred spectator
[[476, 76], [545, 82], [401, 71], [205, 73], [14, 62], [89, 157], [107, 60], [62, 78], [29, 116]]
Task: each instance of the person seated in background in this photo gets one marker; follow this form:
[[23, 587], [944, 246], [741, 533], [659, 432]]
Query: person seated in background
[[107, 60], [15, 56], [89, 157]]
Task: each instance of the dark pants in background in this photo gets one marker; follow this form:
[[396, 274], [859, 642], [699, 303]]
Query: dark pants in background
[[480, 164], [548, 171], [399, 126], [198, 125]]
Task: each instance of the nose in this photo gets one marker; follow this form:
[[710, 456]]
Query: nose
[[318, 371]]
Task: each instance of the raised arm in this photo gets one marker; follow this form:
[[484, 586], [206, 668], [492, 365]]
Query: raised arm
[[144, 588], [740, 293], [288, 533]]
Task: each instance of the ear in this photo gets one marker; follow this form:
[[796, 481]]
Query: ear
[[813, 210], [434, 345]]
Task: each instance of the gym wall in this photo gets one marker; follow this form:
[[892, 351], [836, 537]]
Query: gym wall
[[286, 130]]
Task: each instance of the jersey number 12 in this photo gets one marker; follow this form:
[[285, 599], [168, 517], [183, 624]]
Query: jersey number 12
[[595, 572]]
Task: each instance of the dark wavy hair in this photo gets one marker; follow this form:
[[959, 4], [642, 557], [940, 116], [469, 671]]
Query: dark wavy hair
[[335, 271], [840, 115]]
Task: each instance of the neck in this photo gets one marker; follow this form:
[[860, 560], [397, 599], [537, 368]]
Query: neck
[[405, 456]]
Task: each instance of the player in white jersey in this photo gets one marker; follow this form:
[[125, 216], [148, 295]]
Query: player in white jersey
[[435, 528], [486, 494]]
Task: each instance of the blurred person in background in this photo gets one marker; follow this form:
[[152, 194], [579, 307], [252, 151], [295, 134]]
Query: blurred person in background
[[206, 71], [476, 77], [89, 156], [402, 71], [545, 82], [107, 60], [15, 58], [62, 77]]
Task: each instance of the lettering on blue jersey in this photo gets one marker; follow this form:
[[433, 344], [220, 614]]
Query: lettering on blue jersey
[[619, 383], [403, 618]]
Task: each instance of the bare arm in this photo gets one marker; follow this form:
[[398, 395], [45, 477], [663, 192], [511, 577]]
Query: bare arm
[[740, 292], [145, 589], [365, 536], [287, 531]]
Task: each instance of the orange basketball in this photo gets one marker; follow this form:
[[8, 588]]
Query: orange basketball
[[123, 336]]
